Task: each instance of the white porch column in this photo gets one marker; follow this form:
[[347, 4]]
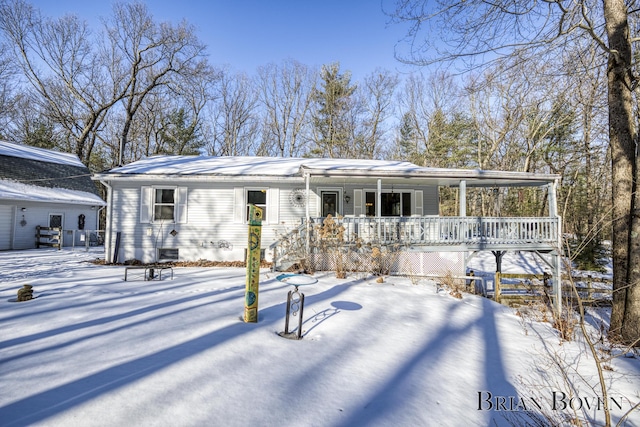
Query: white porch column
[[307, 213], [553, 201], [463, 198], [379, 199], [379, 206], [557, 254], [462, 189]]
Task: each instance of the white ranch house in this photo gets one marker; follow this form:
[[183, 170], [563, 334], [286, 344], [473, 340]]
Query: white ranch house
[[166, 208]]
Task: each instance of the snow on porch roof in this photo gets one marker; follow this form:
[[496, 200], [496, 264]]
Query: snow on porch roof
[[253, 166]]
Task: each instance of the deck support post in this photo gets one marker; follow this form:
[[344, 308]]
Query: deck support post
[[557, 282], [498, 255]]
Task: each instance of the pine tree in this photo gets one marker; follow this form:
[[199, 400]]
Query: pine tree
[[331, 118]]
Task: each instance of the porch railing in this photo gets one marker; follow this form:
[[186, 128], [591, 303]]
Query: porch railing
[[429, 233], [434, 231]]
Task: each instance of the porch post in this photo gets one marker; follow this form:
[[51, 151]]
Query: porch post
[[379, 207], [462, 189], [307, 214], [557, 254], [553, 201], [379, 199], [463, 198]]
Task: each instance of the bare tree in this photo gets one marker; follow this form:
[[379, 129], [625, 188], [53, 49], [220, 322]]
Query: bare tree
[[285, 94], [56, 58], [477, 31], [377, 95], [8, 82], [148, 55], [234, 119]]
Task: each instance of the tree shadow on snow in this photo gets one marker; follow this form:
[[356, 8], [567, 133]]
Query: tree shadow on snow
[[38, 407]]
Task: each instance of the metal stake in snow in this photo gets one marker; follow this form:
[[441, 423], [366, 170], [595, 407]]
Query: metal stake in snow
[[295, 302], [253, 265]]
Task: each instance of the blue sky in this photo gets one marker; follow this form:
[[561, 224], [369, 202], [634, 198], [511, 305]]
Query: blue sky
[[245, 34]]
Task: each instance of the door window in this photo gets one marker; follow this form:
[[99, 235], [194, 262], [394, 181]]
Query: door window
[[55, 220], [329, 203]]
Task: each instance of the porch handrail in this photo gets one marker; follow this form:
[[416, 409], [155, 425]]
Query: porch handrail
[[450, 230]]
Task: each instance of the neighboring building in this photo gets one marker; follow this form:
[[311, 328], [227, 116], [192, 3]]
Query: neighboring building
[[195, 207], [45, 188]]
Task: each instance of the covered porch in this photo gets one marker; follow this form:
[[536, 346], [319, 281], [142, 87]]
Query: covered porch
[[369, 222]]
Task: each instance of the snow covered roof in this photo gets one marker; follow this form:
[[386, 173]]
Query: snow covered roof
[[36, 174], [251, 165], [16, 191], [162, 167], [33, 153]]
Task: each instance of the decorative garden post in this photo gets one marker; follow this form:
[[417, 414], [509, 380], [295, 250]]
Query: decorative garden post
[[253, 265]]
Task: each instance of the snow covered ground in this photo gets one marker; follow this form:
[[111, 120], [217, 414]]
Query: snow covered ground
[[94, 350]]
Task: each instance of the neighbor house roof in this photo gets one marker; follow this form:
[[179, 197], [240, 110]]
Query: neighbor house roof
[[37, 174], [248, 167]]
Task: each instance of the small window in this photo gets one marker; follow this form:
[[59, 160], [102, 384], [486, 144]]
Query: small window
[[167, 254], [55, 220], [258, 198], [164, 204]]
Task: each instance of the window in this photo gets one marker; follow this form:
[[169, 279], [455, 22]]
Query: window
[[164, 204], [392, 204], [258, 198], [55, 220], [165, 254]]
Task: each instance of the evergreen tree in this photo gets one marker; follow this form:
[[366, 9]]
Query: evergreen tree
[[331, 120], [179, 135]]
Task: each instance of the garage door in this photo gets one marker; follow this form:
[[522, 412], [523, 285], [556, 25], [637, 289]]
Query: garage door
[[6, 217]]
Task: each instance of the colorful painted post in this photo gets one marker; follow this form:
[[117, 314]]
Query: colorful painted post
[[253, 265]]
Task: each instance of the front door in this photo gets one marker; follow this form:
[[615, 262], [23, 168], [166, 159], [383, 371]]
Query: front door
[[329, 203]]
